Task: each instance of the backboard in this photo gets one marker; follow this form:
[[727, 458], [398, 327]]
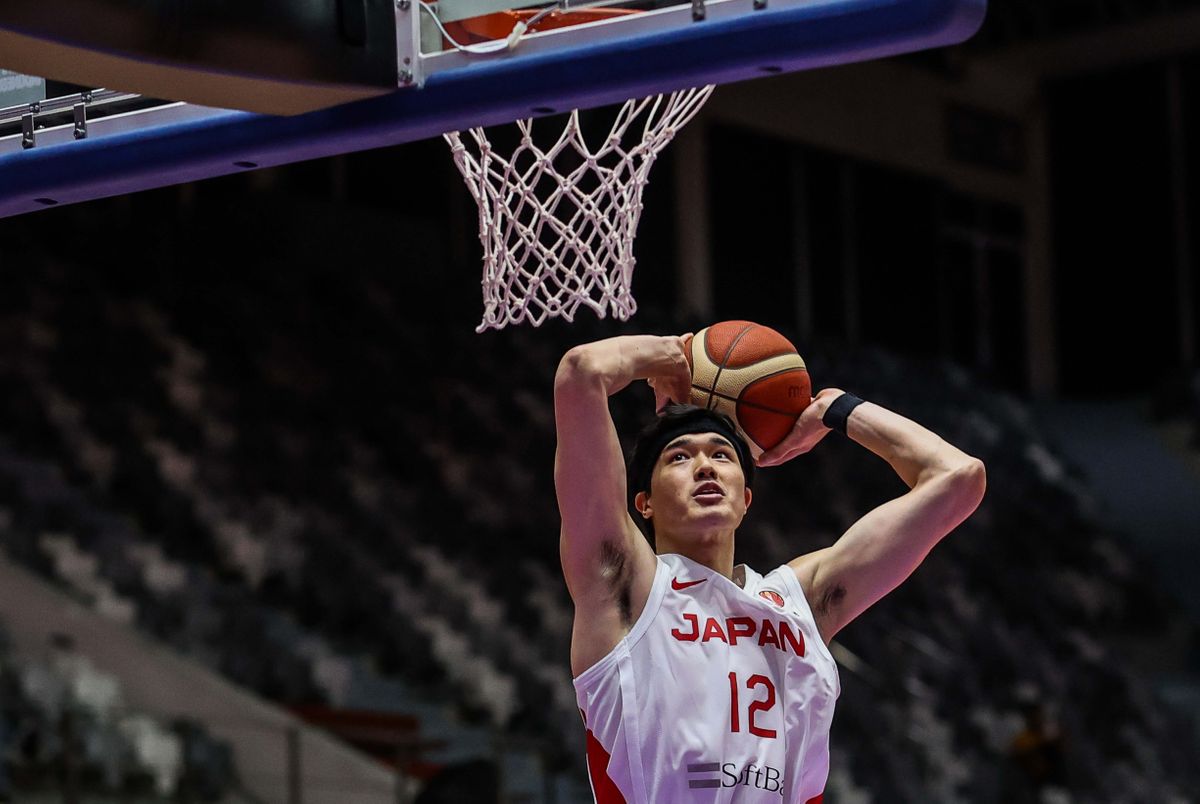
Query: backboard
[[98, 144]]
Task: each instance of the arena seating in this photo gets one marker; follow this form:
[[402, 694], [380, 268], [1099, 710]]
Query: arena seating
[[307, 471], [60, 717]]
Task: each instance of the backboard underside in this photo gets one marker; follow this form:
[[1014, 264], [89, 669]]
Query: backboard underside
[[584, 66]]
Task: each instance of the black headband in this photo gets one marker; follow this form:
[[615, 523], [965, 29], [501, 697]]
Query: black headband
[[678, 421]]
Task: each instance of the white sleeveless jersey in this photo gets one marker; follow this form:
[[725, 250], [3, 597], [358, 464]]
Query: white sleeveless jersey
[[719, 693]]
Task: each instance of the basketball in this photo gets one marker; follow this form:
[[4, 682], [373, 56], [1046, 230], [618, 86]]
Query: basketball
[[752, 374]]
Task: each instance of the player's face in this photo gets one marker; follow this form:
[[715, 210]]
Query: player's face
[[697, 481]]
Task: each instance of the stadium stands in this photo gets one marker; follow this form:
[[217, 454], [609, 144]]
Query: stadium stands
[[64, 727]]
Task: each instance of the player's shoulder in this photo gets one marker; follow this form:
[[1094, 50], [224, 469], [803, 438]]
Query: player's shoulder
[[778, 589], [804, 568]]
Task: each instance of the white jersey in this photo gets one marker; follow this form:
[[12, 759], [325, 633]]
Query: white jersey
[[721, 692]]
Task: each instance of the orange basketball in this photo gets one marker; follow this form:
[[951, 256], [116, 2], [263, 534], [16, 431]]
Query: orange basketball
[[752, 374]]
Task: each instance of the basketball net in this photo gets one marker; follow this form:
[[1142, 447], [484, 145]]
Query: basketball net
[[557, 225]]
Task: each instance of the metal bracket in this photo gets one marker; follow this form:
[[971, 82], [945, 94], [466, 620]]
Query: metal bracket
[[79, 111], [698, 10], [28, 138], [51, 114], [408, 44]]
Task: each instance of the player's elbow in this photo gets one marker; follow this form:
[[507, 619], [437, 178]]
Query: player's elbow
[[578, 369], [969, 481]]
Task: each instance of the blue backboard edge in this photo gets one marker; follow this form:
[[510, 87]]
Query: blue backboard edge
[[488, 93]]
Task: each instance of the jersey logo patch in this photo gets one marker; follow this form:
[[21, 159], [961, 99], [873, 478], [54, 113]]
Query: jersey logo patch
[[773, 596], [679, 586]]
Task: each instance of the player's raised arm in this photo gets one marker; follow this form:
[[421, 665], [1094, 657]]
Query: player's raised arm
[[884, 547], [602, 551]]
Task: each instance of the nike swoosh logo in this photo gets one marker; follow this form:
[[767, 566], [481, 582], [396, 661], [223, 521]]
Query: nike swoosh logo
[[677, 586]]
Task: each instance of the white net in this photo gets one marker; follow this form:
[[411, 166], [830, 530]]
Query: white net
[[557, 225]]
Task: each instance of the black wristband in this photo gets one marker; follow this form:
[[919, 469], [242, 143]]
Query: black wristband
[[839, 411]]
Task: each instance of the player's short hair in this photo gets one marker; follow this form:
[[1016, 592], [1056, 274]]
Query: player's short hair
[[674, 421]]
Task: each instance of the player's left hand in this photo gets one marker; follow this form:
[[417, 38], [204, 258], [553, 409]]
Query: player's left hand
[[806, 433]]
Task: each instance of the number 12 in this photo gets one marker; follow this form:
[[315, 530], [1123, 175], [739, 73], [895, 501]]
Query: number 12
[[755, 706]]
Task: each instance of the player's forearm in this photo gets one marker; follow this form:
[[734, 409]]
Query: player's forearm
[[610, 365], [914, 452]]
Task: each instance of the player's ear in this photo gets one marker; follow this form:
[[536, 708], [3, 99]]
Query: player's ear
[[749, 496], [641, 501]]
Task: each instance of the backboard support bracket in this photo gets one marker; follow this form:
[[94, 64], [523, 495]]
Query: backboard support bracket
[[410, 70], [28, 131], [79, 117]]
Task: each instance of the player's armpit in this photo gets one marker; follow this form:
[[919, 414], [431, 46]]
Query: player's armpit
[[883, 548], [609, 596]]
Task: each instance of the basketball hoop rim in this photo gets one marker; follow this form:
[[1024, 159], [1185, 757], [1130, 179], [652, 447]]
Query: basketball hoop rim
[[499, 24]]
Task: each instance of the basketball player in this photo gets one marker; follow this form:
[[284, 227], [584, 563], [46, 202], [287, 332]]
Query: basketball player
[[700, 680]]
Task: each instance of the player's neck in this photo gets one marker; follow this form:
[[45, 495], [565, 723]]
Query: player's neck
[[714, 549]]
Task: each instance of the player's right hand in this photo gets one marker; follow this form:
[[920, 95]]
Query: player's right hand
[[672, 377]]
